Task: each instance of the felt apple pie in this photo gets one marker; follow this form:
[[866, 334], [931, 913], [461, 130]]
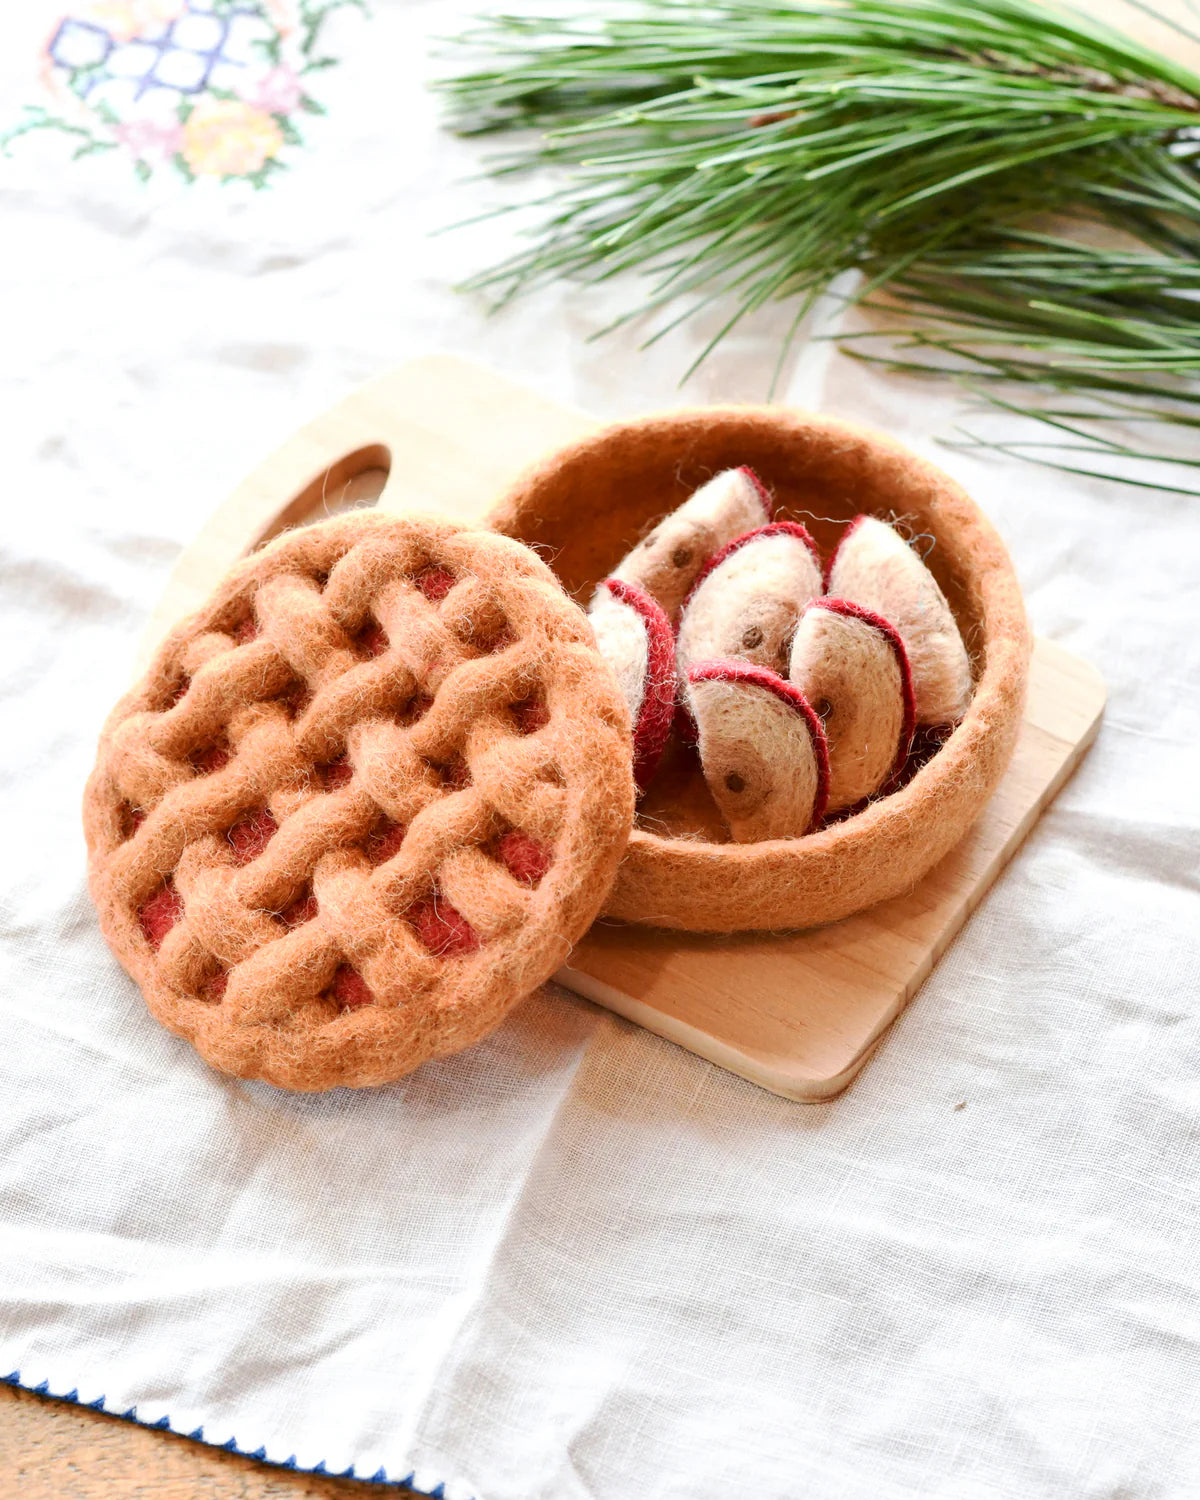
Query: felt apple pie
[[361, 803]]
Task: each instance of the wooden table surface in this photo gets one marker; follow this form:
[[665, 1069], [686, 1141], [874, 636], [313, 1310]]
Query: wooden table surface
[[51, 1450]]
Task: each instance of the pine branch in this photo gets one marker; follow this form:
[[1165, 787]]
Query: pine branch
[[746, 151]]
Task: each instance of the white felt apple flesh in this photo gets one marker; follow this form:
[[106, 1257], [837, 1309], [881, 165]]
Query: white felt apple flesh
[[636, 639], [762, 750], [852, 667], [875, 567], [745, 603], [664, 563]]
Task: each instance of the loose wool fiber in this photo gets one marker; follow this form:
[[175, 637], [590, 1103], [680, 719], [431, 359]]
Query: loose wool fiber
[[762, 748], [851, 666], [665, 563], [875, 567], [361, 803], [747, 599], [636, 639]]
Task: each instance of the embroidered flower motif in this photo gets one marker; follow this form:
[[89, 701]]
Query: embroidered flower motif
[[278, 92], [214, 88], [150, 139], [229, 138]]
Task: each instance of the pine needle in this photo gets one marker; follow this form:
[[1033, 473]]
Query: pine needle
[[747, 152]]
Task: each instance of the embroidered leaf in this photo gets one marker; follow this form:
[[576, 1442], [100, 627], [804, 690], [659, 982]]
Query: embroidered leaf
[[91, 146]]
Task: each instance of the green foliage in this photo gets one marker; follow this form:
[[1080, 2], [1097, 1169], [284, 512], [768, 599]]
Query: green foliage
[[745, 151]]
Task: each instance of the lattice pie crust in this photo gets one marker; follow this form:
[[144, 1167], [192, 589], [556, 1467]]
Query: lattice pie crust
[[362, 802]]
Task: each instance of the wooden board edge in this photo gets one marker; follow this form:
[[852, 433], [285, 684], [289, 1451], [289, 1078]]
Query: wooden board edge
[[804, 1086], [835, 1083]]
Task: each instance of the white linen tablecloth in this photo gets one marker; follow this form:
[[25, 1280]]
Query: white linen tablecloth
[[575, 1261]]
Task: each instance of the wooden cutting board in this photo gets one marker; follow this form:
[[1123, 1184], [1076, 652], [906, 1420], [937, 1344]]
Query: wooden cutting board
[[797, 1013]]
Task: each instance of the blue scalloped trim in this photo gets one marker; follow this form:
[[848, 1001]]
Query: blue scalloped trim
[[163, 1424]]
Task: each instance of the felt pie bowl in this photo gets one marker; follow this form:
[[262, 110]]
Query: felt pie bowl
[[584, 506]]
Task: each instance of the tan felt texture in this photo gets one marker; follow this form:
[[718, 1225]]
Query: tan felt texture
[[361, 803], [746, 606], [666, 561], [763, 756], [849, 671], [875, 567]]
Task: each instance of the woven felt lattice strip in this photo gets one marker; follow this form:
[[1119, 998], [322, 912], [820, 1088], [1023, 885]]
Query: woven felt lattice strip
[[361, 803]]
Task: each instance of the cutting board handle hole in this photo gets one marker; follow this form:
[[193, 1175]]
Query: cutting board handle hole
[[354, 482]]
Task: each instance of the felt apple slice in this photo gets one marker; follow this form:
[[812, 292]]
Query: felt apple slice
[[852, 667], [875, 567], [665, 562], [636, 639], [747, 598], [762, 749]]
